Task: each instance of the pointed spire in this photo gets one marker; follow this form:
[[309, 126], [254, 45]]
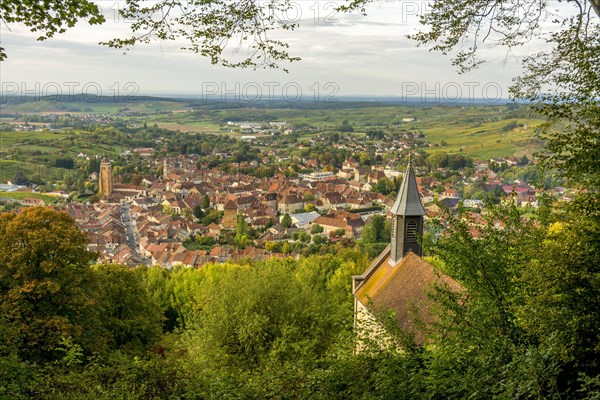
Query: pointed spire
[[408, 202]]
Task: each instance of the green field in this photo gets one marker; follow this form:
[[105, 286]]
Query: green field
[[35, 152], [48, 199], [11, 138], [194, 127], [478, 131], [486, 140]]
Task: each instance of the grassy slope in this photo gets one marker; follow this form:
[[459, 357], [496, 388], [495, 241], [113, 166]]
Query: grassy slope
[[50, 145], [477, 131], [22, 195]]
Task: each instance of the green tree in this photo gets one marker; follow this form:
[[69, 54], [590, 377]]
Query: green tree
[[309, 208], [187, 213], [520, 324], [384, 186], [375, 235], [303, 237], [308, 196], [286, 221], [93, 166], [45, 285], [20, 178], [316, 229], [319, 239], [241, 232], [130, 316], [341, 232], [376, 230], [273, 247], [206, 202], [438, 159], [198, 213], [345, 127], [252, 316], [562, 303], [212, 216], [66, 162]]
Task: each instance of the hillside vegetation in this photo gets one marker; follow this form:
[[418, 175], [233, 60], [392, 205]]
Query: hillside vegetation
[[525, 326]]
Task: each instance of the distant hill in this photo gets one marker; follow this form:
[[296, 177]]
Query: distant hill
[[111, 104]]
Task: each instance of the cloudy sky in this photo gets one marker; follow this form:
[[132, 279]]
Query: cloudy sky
[[345, 55]]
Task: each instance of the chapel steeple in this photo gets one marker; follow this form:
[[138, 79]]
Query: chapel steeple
[[407, 218]]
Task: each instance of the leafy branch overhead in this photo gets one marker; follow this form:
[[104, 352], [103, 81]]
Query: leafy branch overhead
[[234, 34], [216, 29], [48, 18]]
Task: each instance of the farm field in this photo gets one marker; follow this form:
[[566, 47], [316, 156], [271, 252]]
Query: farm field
[[478, 131], [193, 127], [48, 198]]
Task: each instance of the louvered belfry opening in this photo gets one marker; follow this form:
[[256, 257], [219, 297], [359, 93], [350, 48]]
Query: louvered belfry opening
[[411, 231]]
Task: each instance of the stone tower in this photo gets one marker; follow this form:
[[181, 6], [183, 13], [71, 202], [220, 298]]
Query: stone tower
[[407, 218], [105, 182], [165, 169]]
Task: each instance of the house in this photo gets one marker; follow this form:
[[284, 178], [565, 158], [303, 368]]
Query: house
[[399, 279], [290, 204], [144, 151], [375, 176], [331, 225], [304, 220], [451, 193], [346, 173], [270, 199], [350, 164], [33, 202], [361, 174], [334, 200], [473, 203], [352, 224], [521, 193]]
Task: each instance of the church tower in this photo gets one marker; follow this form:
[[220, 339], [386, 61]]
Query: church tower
[[407, 218], [165, 169], [105, 182]]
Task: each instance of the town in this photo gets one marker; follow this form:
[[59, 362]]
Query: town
[[247, 196]]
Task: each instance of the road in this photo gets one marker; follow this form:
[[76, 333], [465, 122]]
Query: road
[[131, 231]]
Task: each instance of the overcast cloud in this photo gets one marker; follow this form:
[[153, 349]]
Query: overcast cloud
[[349, 55]]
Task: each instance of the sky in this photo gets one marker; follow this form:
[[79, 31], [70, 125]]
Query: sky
[[342, 55]]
